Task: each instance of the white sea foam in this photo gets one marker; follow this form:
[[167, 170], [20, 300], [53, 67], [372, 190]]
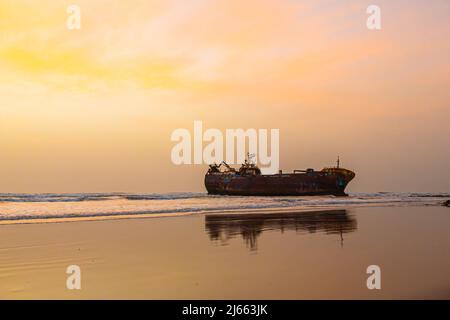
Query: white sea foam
[[31, 207]]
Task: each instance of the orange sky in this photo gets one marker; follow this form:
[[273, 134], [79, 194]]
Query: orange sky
[[93, 109]]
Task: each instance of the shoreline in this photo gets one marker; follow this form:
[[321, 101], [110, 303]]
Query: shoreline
[[108, 217], [289, 252], [309, 255]]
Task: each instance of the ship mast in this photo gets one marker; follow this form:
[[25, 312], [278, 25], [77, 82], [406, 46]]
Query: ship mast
[[250, 157]]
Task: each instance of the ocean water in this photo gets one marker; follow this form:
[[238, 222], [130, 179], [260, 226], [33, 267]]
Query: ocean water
[[31, 208]]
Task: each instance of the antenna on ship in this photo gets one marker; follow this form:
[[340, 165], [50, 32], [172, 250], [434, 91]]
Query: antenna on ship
[[338, 161], [250, 157]]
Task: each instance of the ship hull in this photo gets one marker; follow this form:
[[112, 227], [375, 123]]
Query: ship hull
[[295, 184]]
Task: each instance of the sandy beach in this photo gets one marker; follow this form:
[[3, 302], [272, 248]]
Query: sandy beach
[[322, 254]]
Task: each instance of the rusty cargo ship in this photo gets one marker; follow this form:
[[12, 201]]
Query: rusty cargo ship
[[248, 181]]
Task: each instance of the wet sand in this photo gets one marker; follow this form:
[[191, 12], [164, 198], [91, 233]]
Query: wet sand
[[312, 255]]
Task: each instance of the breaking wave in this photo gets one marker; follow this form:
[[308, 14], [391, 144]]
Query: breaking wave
[[30, 207], [77, 197]]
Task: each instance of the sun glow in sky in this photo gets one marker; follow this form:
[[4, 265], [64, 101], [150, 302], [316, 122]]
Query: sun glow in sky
[[93, 109]]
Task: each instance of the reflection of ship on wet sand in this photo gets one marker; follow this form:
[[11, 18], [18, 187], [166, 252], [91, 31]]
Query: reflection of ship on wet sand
[[226, 226]]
